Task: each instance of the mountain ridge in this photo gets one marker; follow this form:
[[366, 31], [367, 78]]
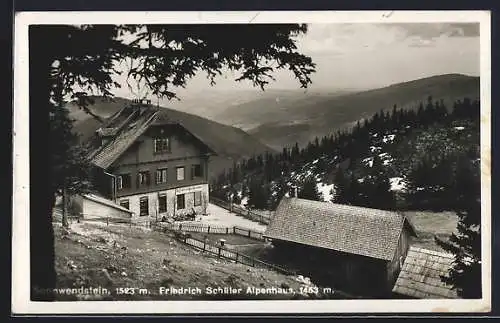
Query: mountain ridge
[[302, 120]]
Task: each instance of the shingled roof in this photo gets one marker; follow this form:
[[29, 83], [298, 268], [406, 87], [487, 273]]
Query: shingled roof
[[350, 229], [105, 155], [420, 275]]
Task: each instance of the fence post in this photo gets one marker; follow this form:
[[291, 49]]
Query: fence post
[[234, 230], [227, 230], [249, 233], [237, 257], [107, 220], [219, 251], [204, 245], [180, 226], [208, 230]]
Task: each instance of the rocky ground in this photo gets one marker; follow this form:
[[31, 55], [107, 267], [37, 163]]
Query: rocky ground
[[133, 263]]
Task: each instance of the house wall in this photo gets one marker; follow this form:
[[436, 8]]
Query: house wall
[[182, 146], [92, 209], [185, 152], [172, 207], [394, 266]]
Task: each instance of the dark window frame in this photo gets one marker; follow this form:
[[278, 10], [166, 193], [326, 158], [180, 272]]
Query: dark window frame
[[199, 200], [125, 202], [142, 200], [162, 207], [179, 198], [124, 180], [161, 145], [183, 173], [147, 180], [194, 169], [161, 175]]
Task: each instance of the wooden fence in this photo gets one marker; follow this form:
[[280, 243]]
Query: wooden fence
[[211, 229], [235, 256], [254, 216]]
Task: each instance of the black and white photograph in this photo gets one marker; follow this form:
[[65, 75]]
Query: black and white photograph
[[332, 161]]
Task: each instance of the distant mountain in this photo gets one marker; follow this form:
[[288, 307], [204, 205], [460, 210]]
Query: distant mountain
[[230, 143], [289, 117]]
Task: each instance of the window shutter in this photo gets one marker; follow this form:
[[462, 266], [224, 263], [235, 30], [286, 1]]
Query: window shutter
[[148, 181]]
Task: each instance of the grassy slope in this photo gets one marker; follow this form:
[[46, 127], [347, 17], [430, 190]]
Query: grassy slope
[[149, 259], [301, 118], [431, 224]]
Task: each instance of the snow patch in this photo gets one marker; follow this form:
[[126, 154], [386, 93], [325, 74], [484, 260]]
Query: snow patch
[[326, 191], [397, 183], [368, 161], [244, 202], [388, 138], [459, 128], [375, 149], [315, 161]]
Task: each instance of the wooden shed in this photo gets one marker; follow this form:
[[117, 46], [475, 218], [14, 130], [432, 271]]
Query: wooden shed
[[356, 249], [421, 274]]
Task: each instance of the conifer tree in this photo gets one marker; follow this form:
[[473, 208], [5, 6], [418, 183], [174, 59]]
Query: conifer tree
[[258, 194], [341, 182], [465, 275], [309, 190]]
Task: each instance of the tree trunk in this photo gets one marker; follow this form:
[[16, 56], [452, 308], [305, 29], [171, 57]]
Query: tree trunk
[[42, 255], [42, 194], [65, 199]]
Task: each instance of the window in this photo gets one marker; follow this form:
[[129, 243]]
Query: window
[[125, 204], [161, 175], [181, 202], [196, 171], [143, 178], [197, 198], [162, 203], [162, 145], [123, 181], [143, 206], [180, 173]]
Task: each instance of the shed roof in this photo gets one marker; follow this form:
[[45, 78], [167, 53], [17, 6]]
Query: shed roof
[[345, 228], [420, 275]]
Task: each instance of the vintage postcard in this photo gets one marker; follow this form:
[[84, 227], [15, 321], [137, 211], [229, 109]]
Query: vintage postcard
[[252, 162]]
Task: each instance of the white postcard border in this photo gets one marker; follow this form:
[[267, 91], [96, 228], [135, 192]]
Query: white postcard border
[[21, 303]]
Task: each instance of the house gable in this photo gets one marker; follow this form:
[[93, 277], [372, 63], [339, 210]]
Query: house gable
[[181, 143]]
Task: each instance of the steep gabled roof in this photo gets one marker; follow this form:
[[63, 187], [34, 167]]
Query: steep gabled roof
[[355, 230], [105, 155], [420, 275], [131, 127]]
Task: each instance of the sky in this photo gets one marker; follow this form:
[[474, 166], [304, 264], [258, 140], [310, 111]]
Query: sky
[[367, 56]]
